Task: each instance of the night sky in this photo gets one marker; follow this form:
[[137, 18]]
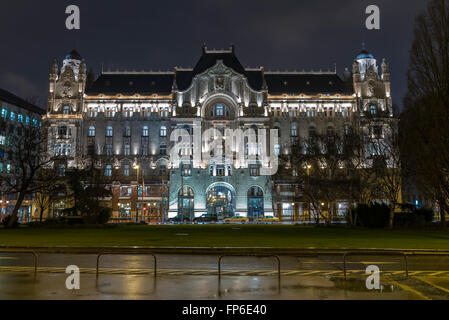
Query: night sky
[[159, 35]]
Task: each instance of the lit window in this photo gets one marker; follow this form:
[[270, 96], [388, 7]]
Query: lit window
[[12, 116], [163, 131], [35, 123], [4, 113], [294, 131], [277, 149], [126, 170], [66, 110], [8, 168], [91, 131], [373, 109], [27, 120], [254, 171], [108, 170], [145, 132], [219, 110], [2, 140], [69, 150], [108, 149], [127, 149], [20, 118], [109, 131]]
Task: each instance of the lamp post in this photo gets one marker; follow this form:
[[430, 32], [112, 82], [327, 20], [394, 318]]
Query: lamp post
[[137, 167]]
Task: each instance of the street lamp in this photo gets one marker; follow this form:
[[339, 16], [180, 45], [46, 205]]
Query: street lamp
[[137, 167]]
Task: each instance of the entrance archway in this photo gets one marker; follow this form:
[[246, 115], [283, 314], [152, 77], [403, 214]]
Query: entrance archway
[[255, 203], [220, 200]]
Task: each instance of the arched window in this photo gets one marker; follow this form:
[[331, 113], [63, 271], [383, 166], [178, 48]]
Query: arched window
[[109, 131], [145, 131], [91, 131]]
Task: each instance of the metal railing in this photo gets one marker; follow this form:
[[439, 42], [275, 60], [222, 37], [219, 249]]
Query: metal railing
[[126, 253], [99, 252]]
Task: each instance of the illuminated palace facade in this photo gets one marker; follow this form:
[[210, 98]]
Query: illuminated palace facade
[[126, 119]]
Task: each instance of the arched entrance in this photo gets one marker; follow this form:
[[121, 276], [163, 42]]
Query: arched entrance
[[220, 200], [186, 202], [255, 203]]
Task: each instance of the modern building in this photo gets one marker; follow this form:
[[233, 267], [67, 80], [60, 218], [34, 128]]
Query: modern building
[[191, 141], [15, 113]]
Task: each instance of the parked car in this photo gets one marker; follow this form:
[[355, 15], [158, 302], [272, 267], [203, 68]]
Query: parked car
[[268, 219], [179, 219], [205, 218], [236, 219]]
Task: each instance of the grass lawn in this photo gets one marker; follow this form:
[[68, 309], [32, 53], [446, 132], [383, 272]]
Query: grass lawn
[[227, 236]]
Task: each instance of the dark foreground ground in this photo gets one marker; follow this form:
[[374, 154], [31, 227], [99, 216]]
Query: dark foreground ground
[[195, 277], [275, 235]]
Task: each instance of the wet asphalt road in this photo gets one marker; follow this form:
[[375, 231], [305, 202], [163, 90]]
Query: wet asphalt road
[[195, 277]]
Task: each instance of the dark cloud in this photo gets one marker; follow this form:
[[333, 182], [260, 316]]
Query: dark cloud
[[134, 34]]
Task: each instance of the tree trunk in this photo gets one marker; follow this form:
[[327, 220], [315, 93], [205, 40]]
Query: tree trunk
[[14, 213], [443, 215], [41, 214], [391, 217]]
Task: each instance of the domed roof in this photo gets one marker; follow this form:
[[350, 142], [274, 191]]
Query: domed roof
[[73, 55], [364, 54]]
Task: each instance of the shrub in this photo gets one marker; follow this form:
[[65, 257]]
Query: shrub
[[6, 220], [374, 215], [413, 218]]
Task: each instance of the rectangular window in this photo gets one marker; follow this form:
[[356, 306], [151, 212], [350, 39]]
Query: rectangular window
[[108, 171], [2, 140], [126, 170], [163, 149], [109, 132], [20, 118], [254, 171], [127, 149], [186, 170], [108, 149], [4, 113], [12, 116], [287, 210]]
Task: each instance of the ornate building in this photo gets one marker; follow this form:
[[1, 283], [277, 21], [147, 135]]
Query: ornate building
[[16, 114], [205, 140]]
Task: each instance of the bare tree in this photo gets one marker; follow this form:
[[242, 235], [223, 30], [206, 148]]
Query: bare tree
[[29, 156], [385, 162], [426, 144]]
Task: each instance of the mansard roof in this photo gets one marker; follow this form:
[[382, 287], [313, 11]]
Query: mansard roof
[[8, 97], [306, 83], [144, 83], [162, 82]]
